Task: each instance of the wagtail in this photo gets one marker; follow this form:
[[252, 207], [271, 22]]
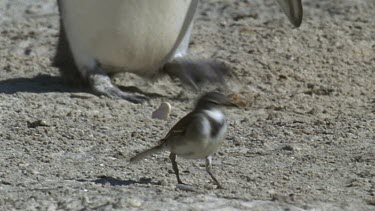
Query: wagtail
[[197, 135]]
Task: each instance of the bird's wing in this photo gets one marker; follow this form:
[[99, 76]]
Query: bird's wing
[[179, 129]]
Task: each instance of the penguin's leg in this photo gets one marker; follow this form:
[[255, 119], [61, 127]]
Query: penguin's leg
[[64, 60], [195, 72], [83, 72], [192, 71], [189, 70], [101, 84], [92, 75]]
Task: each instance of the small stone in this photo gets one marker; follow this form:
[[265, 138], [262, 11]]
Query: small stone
[[162, 112], [134, 203], [38, 123], [170, 171], [3, 182], [243, 99], [313, 111], [23, 164], [184, 187], [82, 95], [163, 182], [288, 148], [34, 172]]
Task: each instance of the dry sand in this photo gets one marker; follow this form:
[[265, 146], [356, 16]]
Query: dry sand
[[307, 141]]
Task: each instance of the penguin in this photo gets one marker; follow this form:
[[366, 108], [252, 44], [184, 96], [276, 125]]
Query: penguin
[[149, 38]]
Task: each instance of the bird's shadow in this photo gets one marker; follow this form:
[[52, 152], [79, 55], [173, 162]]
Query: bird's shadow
[[103, 180]]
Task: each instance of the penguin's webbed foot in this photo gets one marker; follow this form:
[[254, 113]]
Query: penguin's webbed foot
[[101, 84], [196, 72]]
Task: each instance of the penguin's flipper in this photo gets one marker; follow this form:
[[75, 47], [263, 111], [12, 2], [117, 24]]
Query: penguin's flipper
[[293, 9]]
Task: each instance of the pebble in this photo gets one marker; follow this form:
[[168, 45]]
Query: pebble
[[82, 95], [288, 148], [163, 182], [38, 123], [162, 112], [23, 164], [134, 203], [243, 99], [184, 187]]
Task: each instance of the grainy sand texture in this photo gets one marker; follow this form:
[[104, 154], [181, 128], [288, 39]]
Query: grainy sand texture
[[307, 141]]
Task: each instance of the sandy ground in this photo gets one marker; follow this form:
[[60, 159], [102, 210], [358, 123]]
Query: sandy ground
[[307, 141]]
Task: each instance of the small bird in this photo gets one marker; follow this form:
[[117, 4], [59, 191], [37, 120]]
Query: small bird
[[197, 135]]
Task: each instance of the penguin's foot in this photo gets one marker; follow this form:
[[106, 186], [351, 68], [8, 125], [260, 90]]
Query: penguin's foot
[[195, 72], [101, 84]]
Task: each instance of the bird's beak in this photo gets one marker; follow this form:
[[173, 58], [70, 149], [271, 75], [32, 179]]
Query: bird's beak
[[234, 105], [293, 9]]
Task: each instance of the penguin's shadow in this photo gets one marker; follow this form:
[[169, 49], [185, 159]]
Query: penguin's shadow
[[103, 180], [42, 83], [139, 91]]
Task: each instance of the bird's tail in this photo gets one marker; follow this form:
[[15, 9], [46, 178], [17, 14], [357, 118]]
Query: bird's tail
[[148, 152]]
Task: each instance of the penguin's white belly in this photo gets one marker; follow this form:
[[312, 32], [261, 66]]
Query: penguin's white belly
[[123, 35]]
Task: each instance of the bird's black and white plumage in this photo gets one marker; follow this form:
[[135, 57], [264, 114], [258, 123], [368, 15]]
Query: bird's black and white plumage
[[198, 135]]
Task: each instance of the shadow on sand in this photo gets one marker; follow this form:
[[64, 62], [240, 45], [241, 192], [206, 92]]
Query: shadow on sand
[[39, 84], [117, 182], [46, 83]]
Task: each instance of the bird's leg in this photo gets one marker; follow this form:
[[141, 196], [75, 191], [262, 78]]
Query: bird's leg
[[208, 169], [173, 156]]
